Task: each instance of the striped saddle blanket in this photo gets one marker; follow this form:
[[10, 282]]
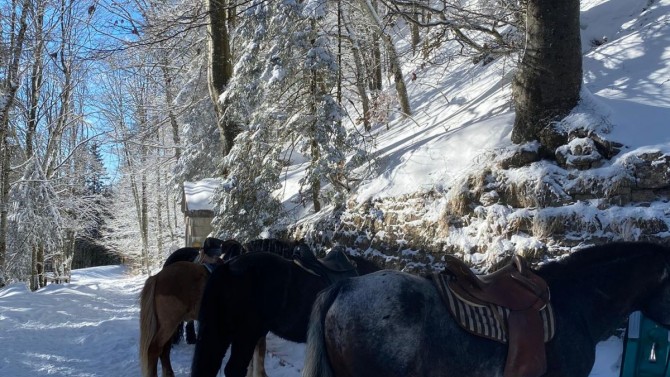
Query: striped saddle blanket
[[488, 321]]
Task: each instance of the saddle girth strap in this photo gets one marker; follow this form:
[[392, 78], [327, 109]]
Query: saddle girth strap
[[525, 294], [526, 354]]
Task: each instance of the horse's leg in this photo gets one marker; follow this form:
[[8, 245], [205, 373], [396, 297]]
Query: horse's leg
[[191, 337], [258, 362], [160, 348], [165, 360], [213, 341], [168, 323], [241, 354], [178, 334]]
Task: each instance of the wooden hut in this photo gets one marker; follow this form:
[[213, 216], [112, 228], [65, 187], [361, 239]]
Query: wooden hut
[[198, 210]]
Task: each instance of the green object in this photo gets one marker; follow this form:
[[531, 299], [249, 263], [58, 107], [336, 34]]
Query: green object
[[646, 348]]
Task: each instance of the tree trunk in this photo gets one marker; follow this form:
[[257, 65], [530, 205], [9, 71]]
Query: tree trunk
[[376, 60], [376, 82], [64, 112], [159, 212], [169, 99], [10, 87], [396, 70], [40, 268], [34, 275], [138, 186], [547, 85], [314, 100], [316, 183], [143, 192], [68, 254], [137, 199], [414, 29], [36, 79], [360, 83], [220, 68], [168, 211], [144, 218]]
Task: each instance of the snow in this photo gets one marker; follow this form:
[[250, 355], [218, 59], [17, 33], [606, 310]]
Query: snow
[[90, 328], [461, 113], [197, 194]]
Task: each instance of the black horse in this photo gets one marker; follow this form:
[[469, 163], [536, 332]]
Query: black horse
[[271, 245], [250, 296], [395, 324], [185, 254]]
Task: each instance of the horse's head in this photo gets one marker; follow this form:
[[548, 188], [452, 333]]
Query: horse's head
[[231, 249]]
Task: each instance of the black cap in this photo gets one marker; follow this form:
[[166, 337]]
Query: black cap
[[212, 247]]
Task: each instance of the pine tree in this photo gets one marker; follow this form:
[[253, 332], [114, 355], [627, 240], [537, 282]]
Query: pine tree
[[95, 171]]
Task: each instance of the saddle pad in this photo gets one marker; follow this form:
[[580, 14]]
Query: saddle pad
[[488, 321]]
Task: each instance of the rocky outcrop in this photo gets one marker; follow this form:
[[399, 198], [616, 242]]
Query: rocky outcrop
[[539, 209]]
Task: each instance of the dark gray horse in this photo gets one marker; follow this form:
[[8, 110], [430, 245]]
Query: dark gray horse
[[394, 324]]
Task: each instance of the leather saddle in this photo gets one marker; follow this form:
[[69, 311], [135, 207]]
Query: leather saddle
[[333, 267], [517, 288]]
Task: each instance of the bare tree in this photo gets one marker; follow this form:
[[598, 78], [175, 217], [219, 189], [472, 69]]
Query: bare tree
[[8, 88], [37, 278], [359, 74], [221, 65], [394, 60]]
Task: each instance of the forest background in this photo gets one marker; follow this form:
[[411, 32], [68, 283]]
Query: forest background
[[107, 107]]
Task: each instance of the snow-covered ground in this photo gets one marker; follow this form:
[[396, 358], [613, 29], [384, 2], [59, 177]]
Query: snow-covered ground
[[90, 327], [461, 112]]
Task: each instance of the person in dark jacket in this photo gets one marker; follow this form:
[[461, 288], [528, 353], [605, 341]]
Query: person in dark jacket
[[211, 250]]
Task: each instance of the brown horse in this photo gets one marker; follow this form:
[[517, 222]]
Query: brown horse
[[172, 296], [212, 249], [167, 299]]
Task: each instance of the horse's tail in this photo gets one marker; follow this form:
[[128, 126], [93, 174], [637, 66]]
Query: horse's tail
[[316, 356], [148, 322]]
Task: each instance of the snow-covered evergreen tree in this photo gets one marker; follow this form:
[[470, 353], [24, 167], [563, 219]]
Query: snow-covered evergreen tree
[[36, 225], [95, 171], [200, 141], [282, 92]]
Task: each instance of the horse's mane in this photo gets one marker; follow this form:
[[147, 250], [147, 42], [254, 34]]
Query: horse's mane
[[364, 265], [271, 245], [600, 256]]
